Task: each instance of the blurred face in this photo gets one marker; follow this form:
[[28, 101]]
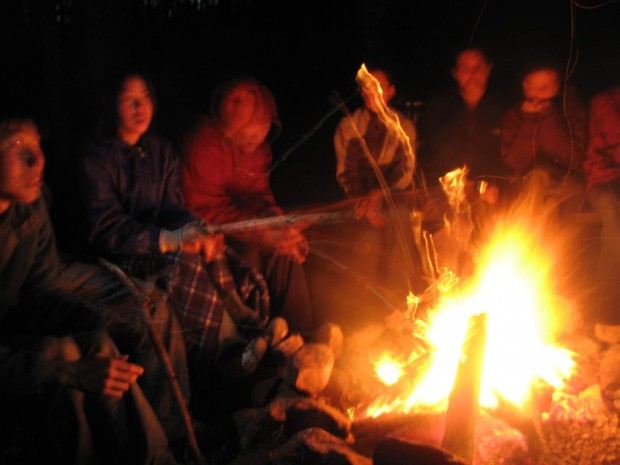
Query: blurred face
[[134, 107], [471, 72], [237, 108], [387, 88], [541, 85], [21, 167]]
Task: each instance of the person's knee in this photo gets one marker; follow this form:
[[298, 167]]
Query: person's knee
[[65, 349]]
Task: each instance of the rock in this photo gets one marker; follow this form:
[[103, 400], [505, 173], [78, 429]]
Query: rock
[[308, 370], [330, 334], [264, 391], [278, 406], [307, 413], [255, 427], [287, 347]]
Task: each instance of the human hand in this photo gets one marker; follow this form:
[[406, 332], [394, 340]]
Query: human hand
[[371, 207], [292, 243], [187, 239], [108, 376], [212, 246], [192, 239], [535, 105]]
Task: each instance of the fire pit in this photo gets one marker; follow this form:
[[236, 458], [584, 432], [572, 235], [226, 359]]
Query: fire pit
[[497, 367]]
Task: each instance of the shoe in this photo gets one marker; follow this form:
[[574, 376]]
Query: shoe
[[253, 354], [277, 329]]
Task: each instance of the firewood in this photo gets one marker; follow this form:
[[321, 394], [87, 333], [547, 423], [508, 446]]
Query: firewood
[[462, 415]]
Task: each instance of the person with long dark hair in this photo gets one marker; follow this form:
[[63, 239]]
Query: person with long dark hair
[[136, 218]]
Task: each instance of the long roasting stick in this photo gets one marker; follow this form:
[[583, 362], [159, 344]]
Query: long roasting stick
[[301, 220], [163, 354]]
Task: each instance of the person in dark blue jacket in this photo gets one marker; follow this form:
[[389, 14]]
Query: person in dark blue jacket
[[136, 218], [54, 348]]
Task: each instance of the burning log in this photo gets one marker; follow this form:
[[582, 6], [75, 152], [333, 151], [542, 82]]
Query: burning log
[[418, 427], [462, 415]]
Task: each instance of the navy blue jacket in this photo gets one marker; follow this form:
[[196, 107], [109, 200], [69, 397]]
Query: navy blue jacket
[[130, 194]]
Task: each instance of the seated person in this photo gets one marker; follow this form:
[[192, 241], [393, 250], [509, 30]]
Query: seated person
[[461, 125], [136, 219], [386, 232], [602, 167], [546, 131], [54, 348], [225, 178], [459, 129]]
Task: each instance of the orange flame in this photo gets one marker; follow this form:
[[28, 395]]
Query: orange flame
[[516, 286]]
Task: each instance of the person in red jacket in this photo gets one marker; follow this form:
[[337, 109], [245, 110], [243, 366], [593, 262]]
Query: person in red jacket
[[602, 167], [225, 178]]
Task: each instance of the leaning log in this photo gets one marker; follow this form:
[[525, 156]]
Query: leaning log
[[462, 415]]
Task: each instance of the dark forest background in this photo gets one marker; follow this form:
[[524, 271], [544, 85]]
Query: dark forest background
[[57, 54]]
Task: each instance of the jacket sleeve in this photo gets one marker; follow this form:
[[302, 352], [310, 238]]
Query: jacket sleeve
[[21, 371], [208, 187], [517, 140], [409, 161], [563, 134], [38, 306], [44, 304], [256, 198], [348, 147], [554, 137], [602, 163], [173, 212], [110, 228]]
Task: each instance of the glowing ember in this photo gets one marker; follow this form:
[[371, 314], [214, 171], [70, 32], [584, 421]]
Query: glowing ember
[[388, 369]]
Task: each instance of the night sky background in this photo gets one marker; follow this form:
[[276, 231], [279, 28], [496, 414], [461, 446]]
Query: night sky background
[[58, 53]]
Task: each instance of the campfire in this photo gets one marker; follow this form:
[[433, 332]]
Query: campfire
[[491, 368], [492, 364]]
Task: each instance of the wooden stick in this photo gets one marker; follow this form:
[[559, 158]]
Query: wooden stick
[[162, 352]]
